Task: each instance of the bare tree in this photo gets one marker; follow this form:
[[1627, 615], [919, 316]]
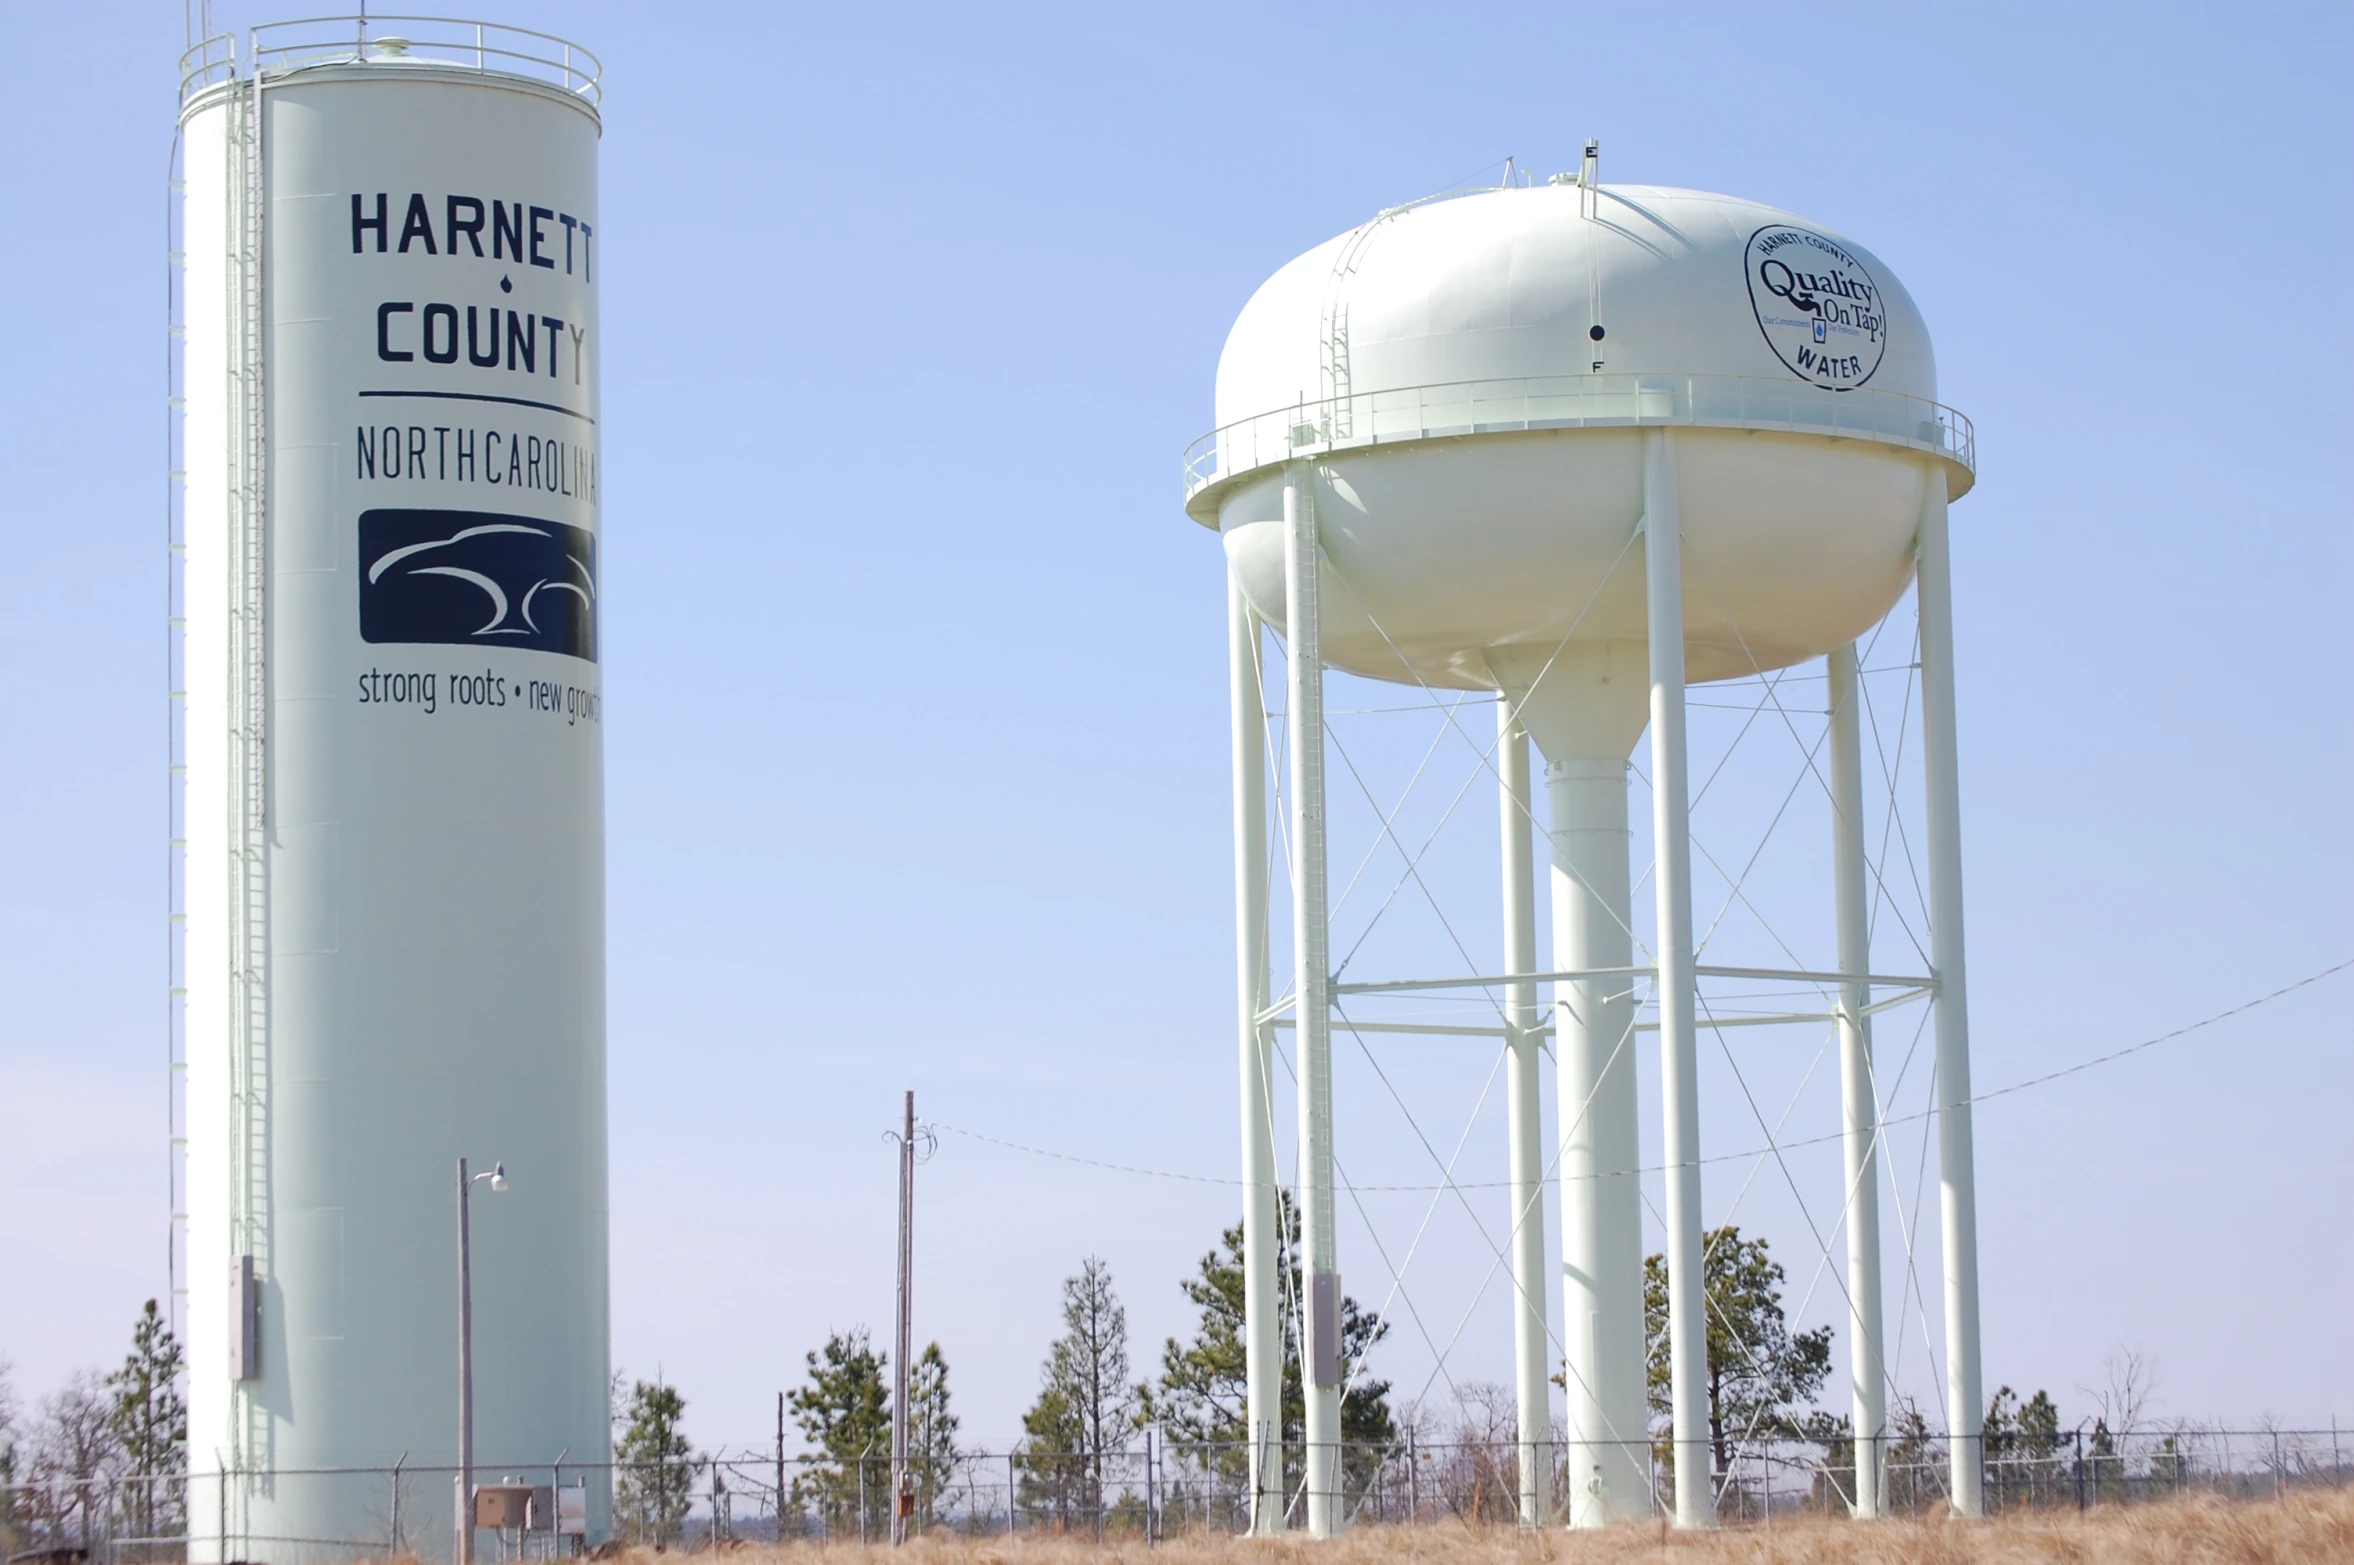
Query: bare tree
[[73, 1452], [1483, 1476], [2128, 1391], [11, 1523], [9, 1413]]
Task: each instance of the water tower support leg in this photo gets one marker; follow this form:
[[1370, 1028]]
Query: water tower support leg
[[1320, 1301], [1526, 1113], [1956, 1158], [1678, 1051], [1858, 1104], [1262, 1304]]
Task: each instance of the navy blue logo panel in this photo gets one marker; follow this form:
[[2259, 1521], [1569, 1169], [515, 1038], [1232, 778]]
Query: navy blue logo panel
[[477, 578]]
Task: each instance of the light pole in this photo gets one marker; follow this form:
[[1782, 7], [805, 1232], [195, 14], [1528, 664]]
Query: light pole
[[465, 1517], [901, 1505]]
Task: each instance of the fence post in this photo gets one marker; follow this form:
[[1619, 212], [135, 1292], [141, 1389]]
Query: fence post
[[2080, 1469], [1010, 1492], [1413, 1476]]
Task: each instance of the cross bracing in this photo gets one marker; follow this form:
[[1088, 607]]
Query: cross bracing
[[1401, 905]]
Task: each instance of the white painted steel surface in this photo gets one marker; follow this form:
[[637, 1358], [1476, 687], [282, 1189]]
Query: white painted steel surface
[[1858, 1089], [1525, 1113], [1674, 993], [1956, 1156], [1261, 1240], [1320, 1348], [424, 903], [1457, 540], [1585, 708]]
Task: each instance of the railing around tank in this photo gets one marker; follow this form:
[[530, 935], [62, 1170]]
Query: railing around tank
[[276, 47], [1540, 402]]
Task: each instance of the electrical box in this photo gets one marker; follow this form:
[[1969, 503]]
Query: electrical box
[[502, 1505], [1324, 1327], [572, 1511], [245, 1321]]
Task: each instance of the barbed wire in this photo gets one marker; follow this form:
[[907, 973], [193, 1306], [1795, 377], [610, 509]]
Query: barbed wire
[[2047, 1078]]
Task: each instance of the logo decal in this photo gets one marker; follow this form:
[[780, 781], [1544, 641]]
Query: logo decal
[[1818, 306], [476, 578]]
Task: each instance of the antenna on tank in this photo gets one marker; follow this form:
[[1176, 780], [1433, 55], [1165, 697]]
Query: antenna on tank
[[1590, 176]]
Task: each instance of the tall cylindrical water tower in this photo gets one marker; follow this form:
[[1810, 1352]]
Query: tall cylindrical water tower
[[1581, 446], [395, 796]]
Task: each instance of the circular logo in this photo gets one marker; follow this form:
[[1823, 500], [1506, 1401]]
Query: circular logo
[[1818, 306]]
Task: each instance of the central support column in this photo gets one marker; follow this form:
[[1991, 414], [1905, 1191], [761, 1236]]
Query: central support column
[[1584, 703], [1857, 1093], [1525, 1110], [1262, 1286], [1957, 1176], [1601, 1193], [1687, 1321], [1321, 1346]]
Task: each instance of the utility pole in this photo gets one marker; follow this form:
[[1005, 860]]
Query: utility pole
[[902, 1485]]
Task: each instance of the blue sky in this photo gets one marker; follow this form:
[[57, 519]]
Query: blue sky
[[916, 687]]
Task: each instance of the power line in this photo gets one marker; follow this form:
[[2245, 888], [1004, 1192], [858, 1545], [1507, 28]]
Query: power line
[[1723, 1157], [2164, 1037]]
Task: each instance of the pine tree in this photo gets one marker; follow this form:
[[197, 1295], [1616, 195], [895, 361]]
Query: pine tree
[[1204, 1393], [150, 1424], [1053, 1465], [931, 1432], [1759, 1371], [2023, 1443], [1086, 1404], [845, 1417], [655, 1465], [2108, 1463]]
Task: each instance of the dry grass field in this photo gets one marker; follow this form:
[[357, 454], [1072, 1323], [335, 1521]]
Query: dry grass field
[[2302, 1528]]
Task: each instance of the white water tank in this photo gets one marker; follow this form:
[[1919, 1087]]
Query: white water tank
[[395, 799], [1471, 376], [1467, 405]]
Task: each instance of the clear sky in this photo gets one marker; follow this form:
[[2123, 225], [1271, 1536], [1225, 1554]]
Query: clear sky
[[916, 671]]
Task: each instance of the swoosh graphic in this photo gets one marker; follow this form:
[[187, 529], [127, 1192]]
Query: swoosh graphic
[[551, 586], [498, 597], [587, 576], [381, 566]]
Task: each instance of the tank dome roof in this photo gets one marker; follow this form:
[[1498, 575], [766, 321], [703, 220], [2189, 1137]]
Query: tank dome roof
[[1553, 280]]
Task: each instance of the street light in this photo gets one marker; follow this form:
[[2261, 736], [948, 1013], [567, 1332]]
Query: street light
[[497, 1179]]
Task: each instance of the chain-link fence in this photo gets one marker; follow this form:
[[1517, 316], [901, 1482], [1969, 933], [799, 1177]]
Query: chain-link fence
[[1151, 1489]]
